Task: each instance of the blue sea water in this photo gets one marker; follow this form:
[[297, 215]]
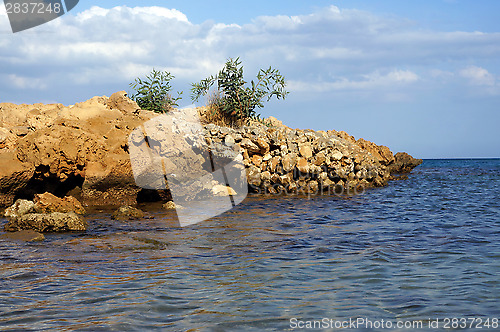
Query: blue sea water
[[419, 251]]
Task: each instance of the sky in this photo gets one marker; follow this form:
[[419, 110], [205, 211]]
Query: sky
[[417, 76]]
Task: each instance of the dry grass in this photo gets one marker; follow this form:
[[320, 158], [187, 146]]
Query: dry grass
[[212, 114]]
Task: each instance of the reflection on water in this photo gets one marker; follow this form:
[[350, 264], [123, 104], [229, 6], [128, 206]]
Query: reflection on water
[[418, 249]]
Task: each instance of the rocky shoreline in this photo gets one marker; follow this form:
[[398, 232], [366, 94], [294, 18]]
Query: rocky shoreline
[[82, 151]]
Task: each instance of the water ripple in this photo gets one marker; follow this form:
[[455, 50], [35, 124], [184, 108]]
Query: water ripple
[[418, 249]]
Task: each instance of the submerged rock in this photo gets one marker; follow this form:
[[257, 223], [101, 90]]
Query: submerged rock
[[49, 222], [24, 236], [128, 213]]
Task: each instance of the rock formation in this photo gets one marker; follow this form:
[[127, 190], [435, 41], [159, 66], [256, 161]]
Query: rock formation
[[57, 149], [82, 150]]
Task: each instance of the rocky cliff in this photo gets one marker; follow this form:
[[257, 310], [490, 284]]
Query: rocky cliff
[[83, 150]]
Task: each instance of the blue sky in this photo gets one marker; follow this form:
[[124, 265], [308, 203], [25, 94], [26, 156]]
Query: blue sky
[[417, 76]]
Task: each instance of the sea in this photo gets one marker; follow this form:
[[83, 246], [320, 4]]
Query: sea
[[421, 254]]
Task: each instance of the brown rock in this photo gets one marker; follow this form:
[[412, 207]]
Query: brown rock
[[275, 122], [14, 176], [256, 160], [87, 147], [87, 141], [336, 155], [267, 157], [305, 150], [273, 163], [253, 176], [42, 117], [275, 178], [404, 163], [379, 152], [7, 139], [319, 159], [120, 101], [286, 179], [48, 203], [303, 166], [289, 162], [245, 155], [20, 131], [343, 135], [265, 176], [249, 146], [263, 145], [312, 187]]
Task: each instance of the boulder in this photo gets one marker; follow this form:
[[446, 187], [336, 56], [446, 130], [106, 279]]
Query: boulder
[[51, 222], [263, 145], [229, 140]]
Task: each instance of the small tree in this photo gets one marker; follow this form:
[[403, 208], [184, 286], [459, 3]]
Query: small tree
[[153, 92], [235, 100]]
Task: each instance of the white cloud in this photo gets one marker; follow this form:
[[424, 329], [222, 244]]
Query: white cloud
[[150, 12], [23, 83], [478, 76], [329, 50], [94, 11], [393, 79]]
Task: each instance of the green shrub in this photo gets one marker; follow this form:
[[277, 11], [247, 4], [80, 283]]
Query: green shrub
[[234, 99], [153, 92]]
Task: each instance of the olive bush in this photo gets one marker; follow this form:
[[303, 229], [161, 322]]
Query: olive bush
[[236, 99]]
